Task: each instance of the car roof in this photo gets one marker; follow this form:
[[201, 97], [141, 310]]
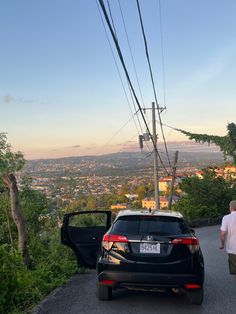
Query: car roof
[[146, 212]]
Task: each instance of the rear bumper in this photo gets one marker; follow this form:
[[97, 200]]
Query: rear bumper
[[134, 279]]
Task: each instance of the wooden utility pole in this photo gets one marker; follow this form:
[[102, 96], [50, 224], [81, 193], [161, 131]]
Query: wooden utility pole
[[156, 176], [146, 137], [173, 180]]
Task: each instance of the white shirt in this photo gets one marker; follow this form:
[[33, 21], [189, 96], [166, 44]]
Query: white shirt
[[229, 226]]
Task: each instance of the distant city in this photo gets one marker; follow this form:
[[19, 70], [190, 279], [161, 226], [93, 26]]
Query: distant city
[[66, 179]]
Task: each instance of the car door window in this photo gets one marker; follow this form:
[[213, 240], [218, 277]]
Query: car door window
[[83, 232]]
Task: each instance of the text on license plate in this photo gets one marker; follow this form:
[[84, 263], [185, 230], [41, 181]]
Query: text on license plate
[[150, 248]]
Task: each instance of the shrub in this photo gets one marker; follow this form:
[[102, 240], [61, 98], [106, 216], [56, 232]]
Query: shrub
[[21, 288]]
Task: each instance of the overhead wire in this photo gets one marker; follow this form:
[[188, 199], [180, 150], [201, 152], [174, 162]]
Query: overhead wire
[[118, 71], [132, 58], [116, 133], [162, 55], [151, 74], [114, 28], [125, 124], [127, 76], [131, 54], [119, 74], [152, 79], [111, 17]]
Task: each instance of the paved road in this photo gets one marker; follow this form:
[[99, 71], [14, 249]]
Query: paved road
[[78, 296]]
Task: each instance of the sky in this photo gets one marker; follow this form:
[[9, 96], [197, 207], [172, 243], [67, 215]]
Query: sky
[[60, 90]]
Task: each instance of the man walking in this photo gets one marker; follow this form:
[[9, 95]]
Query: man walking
[[228, 236]]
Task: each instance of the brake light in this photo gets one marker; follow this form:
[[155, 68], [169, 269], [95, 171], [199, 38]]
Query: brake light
[[107, 282], [109, 239], [191, 242], [192, 286]]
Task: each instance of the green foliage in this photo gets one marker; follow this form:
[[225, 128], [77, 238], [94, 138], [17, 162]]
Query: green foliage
[[15, 280], [226, 143], [206, 197], [91, 202], [9, 162], [141, 191], [88, 220], [4, 217], [35, 206], [52, 263], [21, 288], [104, 201]]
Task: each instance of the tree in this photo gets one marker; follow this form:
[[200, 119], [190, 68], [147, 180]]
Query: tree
[[34, 205], [142, 192], [6, 231], [91, 202], [205, 197], [10, 163], [226, 143]]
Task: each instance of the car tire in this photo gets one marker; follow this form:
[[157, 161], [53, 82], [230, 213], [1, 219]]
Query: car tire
[[195, 296], [104, 293]]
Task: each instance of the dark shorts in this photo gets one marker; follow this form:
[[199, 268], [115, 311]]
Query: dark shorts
[[232, 264]]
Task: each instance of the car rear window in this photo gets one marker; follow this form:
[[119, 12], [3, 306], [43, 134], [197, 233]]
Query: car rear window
[[139, 225]]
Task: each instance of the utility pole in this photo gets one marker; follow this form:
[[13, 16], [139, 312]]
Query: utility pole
[[146, 137], [156, 177], [173, 180]]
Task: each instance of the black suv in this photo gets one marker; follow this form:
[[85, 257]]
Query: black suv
[[141, 249]]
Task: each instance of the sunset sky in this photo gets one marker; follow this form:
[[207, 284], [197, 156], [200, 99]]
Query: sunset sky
[[60, 92]]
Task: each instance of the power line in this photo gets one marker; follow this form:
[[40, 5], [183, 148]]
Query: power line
[[117, 68], [132, 58], [113, 24], [131, 54], [162, 54], [136, 113], [152, 79], [127, 74], [116, 133], [114, 28], [119, 74]]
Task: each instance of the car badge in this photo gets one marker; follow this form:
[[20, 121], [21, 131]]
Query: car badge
[[149, 238]]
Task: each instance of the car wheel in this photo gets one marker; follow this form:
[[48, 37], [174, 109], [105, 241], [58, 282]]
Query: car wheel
[[195, 296], [104, 293]]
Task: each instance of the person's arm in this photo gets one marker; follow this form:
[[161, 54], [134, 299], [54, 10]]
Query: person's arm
[[222, 239]]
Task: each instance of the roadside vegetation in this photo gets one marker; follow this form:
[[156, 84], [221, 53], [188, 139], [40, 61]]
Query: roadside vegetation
[[206, 197], [227, 143], [51, 264], [32, 260]]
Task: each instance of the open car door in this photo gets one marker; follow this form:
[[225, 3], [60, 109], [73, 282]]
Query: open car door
[[83, 232]]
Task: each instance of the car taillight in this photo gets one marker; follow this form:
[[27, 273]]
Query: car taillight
[[191, 242], [107, 282], [109, 239], [192, 286]]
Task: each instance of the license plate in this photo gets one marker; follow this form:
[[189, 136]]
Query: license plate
[[152, 248]]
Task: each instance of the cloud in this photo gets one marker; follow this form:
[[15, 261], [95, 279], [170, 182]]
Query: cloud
[[75, 146], [130, 146], [25, 100], [7, 99]]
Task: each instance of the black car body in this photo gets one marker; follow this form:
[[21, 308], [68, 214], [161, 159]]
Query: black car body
[[139, 250]]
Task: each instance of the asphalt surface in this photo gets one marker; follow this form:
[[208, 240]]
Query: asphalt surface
[[79, 295]]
